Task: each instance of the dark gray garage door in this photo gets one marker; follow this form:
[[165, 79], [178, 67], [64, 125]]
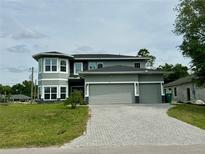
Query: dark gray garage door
[[111, 94], [150, 93]]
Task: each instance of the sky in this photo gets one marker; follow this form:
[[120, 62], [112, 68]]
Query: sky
[[122, 27]]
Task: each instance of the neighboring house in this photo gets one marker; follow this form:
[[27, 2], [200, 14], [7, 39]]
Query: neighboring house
[[19, 97], [103, 78], [185, 90]]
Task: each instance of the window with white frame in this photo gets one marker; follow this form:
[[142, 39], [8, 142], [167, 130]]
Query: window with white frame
[[50, 65], [95, 65], [63, 65], [40, 65], [92, 65], [63, 92], [78, 67], [50, 93]]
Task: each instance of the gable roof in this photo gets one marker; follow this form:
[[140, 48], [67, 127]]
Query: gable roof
[[180, 81], [105, 56], [119, 69], [51, 54]]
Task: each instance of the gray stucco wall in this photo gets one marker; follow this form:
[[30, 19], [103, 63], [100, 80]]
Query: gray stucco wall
[[124, 63], [52, 82], [53, 75], [182, 92], [109, 78], [151, 77], [200, 93]]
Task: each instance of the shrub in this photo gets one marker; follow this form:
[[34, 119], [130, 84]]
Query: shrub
[[74, 99]]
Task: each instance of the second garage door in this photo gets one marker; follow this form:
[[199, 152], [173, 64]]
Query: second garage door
[[150, 93], [111, 94]]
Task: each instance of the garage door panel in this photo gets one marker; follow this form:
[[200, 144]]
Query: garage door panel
[[111, 94], [150, 93]]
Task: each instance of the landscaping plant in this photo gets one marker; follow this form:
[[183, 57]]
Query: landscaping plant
[[74, 99]]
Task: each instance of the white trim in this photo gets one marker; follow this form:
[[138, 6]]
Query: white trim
[[87, 90], [151, 82], [162, 89], [135, 89], [52, 79], [138, 89], [74, 71]]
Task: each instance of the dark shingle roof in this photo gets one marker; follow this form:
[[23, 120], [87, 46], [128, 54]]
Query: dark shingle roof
[[86, 56], [180, 81], [123, 70], [105, 56], [51, 54], [100, 56]]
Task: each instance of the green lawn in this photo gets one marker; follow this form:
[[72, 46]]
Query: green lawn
[[192, 114], [40, 125]]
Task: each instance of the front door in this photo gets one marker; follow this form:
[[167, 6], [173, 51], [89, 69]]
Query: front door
[[188, 94], [80, 88]]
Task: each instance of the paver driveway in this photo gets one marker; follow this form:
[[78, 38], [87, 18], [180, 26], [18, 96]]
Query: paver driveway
[[136, 125]]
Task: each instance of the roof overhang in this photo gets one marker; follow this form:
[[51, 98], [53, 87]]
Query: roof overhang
[[47, 54], [122, 72]]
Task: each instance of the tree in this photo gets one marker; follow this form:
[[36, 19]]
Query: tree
[[27, 87], [190, 23], [146, 53], [17, 89], [177, 71]]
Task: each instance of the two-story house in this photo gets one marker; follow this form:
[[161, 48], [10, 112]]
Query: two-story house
[[103, 78]]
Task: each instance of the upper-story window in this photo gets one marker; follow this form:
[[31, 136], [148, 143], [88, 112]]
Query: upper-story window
[[137, 65], [78, 67], [95, 65], [92, 65], [100, 65], [63, 65], [50, 65]]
